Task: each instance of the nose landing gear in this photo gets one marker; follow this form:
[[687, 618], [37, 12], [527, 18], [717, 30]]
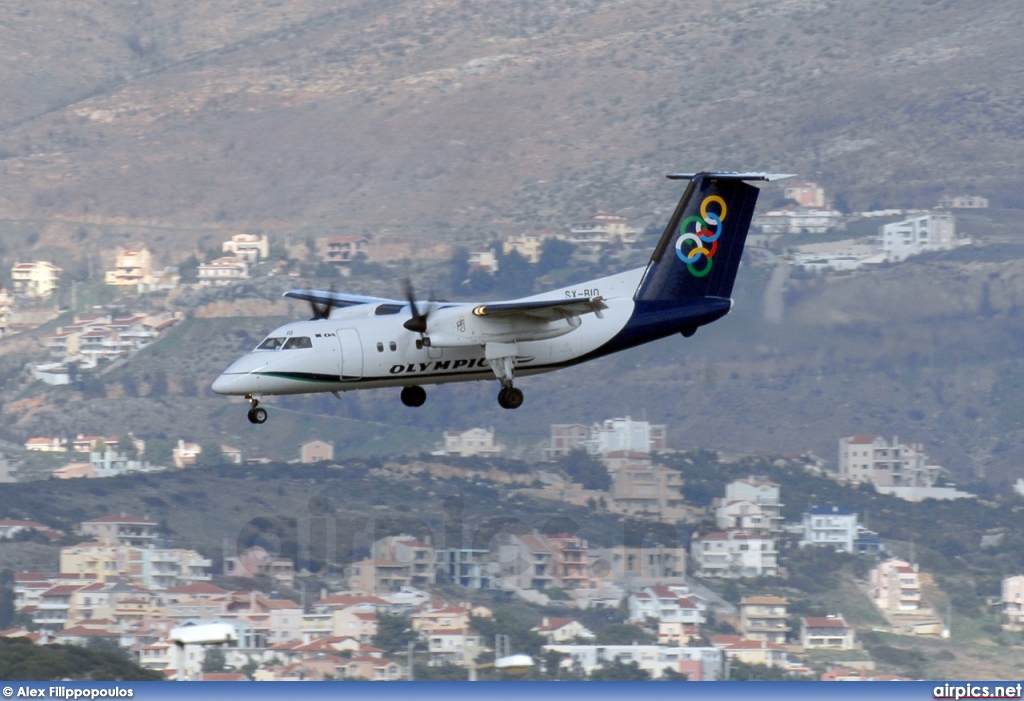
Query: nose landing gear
[[256, 415]]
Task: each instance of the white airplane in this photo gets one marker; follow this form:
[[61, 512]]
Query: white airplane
[[355, 342]]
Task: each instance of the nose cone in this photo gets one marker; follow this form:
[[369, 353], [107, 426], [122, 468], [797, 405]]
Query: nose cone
[[229, 384]]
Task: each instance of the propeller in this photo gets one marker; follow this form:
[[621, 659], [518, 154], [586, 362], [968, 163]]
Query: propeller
[[418, 322], [322, 311]]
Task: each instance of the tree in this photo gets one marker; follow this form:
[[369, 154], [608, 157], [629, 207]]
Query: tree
[[554, 255], [624, 634], [214, 660], [23, 661], [394, 633], [212, 455], [615, 671], [586, 470], [126, 447], [188, 269], [158, 452], [515, 274]]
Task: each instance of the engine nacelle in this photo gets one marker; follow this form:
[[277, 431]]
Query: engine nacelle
[[459, 327]]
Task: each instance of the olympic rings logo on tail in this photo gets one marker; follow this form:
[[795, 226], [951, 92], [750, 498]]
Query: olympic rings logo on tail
[[691, 245]]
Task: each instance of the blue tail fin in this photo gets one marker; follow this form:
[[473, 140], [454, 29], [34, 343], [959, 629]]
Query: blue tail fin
[[700, 251]]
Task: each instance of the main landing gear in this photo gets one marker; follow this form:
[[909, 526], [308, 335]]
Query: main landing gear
[[510, 397], [501, 357], [414, 395], [257, 415]]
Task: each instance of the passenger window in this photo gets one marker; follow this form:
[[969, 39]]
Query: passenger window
[[271, 344], [380, 347], [298, 342], [394, 346]]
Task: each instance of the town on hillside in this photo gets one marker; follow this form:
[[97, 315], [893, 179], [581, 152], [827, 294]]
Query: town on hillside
[[726, 603]]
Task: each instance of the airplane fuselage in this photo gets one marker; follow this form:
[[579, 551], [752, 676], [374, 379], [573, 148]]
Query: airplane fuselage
[[360, 348]]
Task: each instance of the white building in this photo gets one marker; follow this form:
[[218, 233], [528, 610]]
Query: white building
[[562, 630], [963, 202], [799, 220], [601, 229], [6, 307], [613, 435], [895, 586], [666, 603], [38, 279], [751, 503], [734, 554], [849, 254], [868, 458], [472, 443], [928, 232], [223, 271], [831, 526], [699, 663], [248, 247]]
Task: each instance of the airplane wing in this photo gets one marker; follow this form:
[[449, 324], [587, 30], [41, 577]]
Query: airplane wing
[[549, 309], [338, 299]]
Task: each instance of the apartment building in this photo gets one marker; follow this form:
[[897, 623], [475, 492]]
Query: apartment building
[[641, 487], [896, 586], [248, 247], [733, 554], [151, 567], [528, 245], [698, 663], [921, 234], [1012, 600], [38, 280], [601, 229], [751, 503], [221, 272], [341, 250], [132, 267], [806, 194], [764, 618], [870, 458], [831, 526], [654, 563], [123, 529], [6, 309], [258, 562]]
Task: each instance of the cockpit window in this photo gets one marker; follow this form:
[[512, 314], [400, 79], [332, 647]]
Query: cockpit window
[[298, 342], [384, 309], [271, 343]]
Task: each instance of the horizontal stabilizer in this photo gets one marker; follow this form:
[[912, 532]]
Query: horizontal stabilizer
[[731, 176]]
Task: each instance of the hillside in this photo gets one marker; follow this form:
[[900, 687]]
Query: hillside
[[172, 123], [929, 350]]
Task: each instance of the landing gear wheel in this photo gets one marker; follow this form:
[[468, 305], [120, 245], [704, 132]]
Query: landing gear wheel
[[257, 415], [510, 398], [414, 395]]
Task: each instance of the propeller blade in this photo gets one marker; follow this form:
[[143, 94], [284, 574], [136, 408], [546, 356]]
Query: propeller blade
[[322, 311], [418, 322]]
